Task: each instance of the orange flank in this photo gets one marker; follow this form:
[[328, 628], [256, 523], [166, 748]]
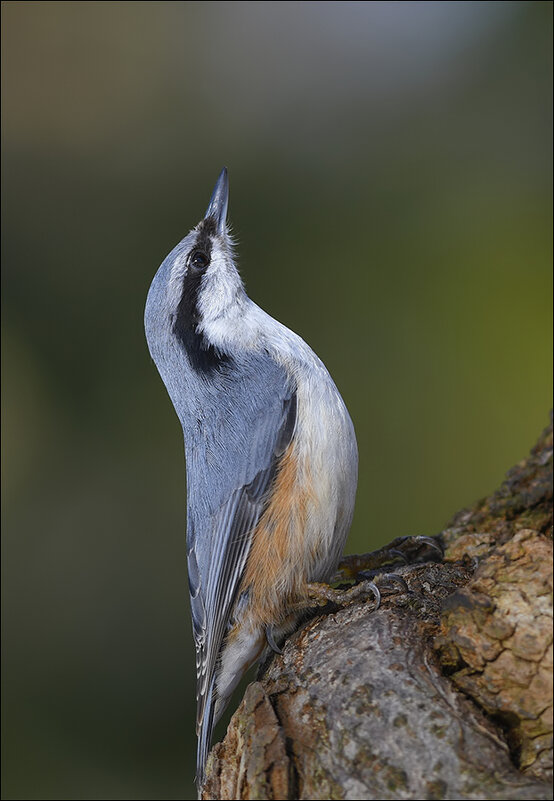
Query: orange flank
[[277, 564]]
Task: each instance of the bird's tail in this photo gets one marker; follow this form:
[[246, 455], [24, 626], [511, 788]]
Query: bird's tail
[[205, 729]]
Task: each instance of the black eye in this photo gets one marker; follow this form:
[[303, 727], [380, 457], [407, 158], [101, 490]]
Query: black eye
[[198, 260]]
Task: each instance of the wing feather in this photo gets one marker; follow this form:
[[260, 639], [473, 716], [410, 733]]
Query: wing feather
[[247, 423]]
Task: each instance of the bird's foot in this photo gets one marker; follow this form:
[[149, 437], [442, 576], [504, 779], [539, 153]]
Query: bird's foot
[[366, 573], [404, 550], [322, 594]]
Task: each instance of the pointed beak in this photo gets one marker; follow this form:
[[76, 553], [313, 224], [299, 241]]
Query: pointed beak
[[219, 202]]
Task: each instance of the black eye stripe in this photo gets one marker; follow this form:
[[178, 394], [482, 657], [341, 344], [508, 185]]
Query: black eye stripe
[[202, 356]]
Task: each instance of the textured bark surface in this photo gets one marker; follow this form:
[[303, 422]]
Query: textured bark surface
[[444, 692]]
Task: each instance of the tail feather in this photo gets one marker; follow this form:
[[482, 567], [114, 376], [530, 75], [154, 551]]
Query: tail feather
[[205, 731]]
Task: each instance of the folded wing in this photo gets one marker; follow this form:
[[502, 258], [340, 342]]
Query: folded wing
[[245, 431]]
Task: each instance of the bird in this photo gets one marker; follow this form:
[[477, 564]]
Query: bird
[[271, 458]]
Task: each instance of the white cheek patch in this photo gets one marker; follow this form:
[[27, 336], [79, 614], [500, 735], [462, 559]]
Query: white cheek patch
[[219, 288], [222, 302]]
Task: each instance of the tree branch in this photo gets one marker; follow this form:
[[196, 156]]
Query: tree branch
[[445, 692]]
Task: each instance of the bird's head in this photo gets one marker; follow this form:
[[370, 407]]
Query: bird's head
[[197, 297]]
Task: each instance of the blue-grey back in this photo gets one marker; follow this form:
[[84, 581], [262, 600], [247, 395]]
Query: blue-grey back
[[232, 427]]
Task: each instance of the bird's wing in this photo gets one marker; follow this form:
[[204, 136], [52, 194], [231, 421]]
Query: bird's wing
[[247, 423]]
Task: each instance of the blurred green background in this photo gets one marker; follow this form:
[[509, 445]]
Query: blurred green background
[[390, 168]]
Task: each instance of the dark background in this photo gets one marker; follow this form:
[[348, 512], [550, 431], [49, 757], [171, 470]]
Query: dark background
[[390, 168]]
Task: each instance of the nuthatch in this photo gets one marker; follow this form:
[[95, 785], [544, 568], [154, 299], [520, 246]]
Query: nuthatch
[[271, 458]]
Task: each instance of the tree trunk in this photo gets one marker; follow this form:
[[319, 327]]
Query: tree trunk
[[444, 692]]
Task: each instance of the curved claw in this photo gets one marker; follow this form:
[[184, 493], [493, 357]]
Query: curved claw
[[271, 640], [376, 592], [389, 578], [430, 542]]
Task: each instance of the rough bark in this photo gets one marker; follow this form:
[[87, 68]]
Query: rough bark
[[444, 692]]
